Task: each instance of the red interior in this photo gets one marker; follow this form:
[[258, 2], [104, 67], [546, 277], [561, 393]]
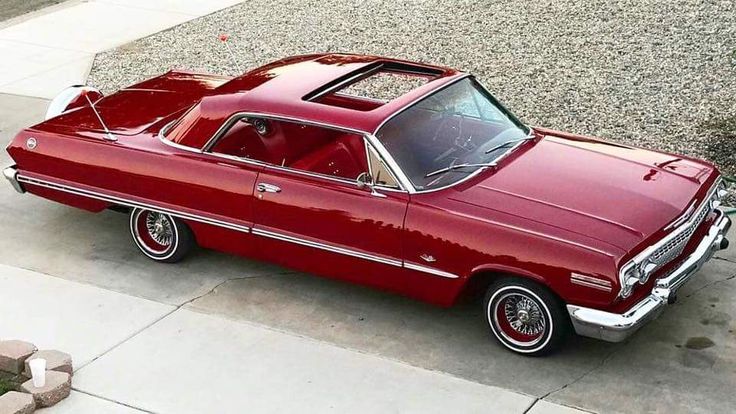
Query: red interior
[[299, 146]]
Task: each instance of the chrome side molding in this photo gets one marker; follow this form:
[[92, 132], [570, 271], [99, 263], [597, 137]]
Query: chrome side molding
[[12, 175]]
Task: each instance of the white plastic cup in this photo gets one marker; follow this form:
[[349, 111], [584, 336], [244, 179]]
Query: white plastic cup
[[38, 372]]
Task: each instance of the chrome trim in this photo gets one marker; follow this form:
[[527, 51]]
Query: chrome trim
[[206, 149], [427, 258], [419, 98], [403, 178], [327, 247], [393, 167], [228, 225], [11, 174], [162, 137], [369, 148], [61, 101], [430, 270], [130, 203], [267, 188], [234, 117], [591, 282], [590, 285], [640, 258], [311, 96], [408, 184], [683, 218], [615, 327]]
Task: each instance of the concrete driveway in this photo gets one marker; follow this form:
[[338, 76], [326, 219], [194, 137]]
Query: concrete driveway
[[683, 362]]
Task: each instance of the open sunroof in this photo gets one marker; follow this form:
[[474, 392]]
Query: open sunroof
[[373, 86]]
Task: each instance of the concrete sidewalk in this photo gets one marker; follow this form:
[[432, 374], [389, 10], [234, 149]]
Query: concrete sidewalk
[[132, 353], [45, 54]]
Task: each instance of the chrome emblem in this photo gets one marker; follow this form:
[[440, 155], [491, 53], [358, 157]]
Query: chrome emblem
[[31, 143], [428, 258]]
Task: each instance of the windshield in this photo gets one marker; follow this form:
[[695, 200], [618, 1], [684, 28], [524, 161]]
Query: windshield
[[450, 134]]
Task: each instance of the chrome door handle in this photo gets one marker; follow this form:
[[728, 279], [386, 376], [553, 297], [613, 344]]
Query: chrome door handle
[[267, 188]]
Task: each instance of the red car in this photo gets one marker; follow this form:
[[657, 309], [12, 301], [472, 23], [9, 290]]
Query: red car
[[434, 192]]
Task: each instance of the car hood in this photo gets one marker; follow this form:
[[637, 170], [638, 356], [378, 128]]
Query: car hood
[[613, 193]]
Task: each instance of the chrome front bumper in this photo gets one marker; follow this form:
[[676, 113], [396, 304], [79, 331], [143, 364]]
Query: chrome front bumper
[[11, 174], [614, 327]]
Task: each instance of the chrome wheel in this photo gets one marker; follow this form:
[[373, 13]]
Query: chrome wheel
[[523, 314], [159, 228], [155, 234], [519, 318]]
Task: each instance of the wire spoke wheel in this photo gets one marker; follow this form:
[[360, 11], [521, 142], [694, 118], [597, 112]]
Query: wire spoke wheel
[[524, 317], [160, 236], [159, 228], [520, 318]]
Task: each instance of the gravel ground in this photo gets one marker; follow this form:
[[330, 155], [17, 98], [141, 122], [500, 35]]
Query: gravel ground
[[653, 73], [13, 8]]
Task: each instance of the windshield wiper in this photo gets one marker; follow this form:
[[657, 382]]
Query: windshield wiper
[[457, 166], [507, 143]]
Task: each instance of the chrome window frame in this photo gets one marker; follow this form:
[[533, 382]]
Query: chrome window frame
[[370, 150], [212, 141], [409, 184]]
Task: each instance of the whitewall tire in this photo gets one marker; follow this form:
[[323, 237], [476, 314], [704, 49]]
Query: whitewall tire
[[525, 317], [160, 236]]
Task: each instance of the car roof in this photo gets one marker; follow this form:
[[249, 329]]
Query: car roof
[[287, 88]]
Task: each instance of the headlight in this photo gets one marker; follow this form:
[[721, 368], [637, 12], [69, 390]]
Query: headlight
[[628, 276], [634, 273]]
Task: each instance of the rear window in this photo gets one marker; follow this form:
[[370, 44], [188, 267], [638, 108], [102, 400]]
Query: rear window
[[371, 88]]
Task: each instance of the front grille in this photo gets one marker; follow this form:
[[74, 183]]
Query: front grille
[[674, 248]]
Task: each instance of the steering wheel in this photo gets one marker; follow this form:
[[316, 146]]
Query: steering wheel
[[446, 116]]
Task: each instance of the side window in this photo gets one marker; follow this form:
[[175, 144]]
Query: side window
[[382, 176], [241, 140], [305, 147]]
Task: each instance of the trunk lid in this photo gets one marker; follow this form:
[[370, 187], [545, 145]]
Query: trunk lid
[[134, 109]]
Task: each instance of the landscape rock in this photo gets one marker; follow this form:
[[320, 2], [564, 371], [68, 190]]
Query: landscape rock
[[13, 354], [58, 386], [14, 402], [55, 361]]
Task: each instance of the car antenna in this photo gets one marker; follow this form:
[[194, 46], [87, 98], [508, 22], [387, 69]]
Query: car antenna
[[108, 135], [224, 38]]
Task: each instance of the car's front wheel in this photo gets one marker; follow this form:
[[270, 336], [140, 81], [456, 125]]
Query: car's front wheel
[[160, 236], [525, 317]]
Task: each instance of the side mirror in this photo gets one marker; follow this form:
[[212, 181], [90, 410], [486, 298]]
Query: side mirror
[[366, 181]]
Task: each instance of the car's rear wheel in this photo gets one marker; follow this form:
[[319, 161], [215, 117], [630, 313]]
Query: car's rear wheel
[[525, 317], [160, 236]]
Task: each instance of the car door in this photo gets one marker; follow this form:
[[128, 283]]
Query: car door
[[331, 225], [214, 188]]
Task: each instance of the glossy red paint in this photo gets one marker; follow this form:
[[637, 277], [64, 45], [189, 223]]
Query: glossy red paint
[[560, 204]]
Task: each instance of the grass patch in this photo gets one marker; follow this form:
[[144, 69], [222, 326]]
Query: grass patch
[[6, 386]]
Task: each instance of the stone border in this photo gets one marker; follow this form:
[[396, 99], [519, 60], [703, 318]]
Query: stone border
[[14, 369]]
